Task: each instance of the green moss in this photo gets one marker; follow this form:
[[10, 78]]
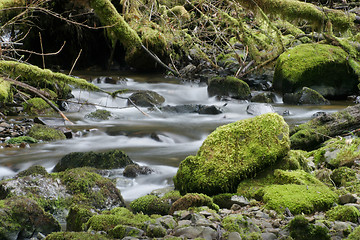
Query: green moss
[[193, 200], [229, 86], [294, 160], [343, 176], [223, 200], [33, 170], [179, 12], [21, 139], [355, 235], [150, 204], [99, 115], [325, 65], [300, 229], [75, 236], [45, 133], [241, 224], [37, 106], [298, 177], [298, 198], [77, 217], [5, 90], [343, 213], [232, 153], [306, 138]]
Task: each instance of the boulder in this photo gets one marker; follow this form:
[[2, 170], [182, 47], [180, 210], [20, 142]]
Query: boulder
[[259, 108], [265, 97], [146, 99], [306, 96], [232, 153], [99, 115], [193, 200], [23, 218], [105, 160], [228, 86], [133, 170], [192, 108], [45, 133], [321, 67]]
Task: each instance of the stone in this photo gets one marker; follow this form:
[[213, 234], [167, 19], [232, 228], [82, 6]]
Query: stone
[[347, 198], [240, 200], [234, 236], [133, 170], [228, 86], [146, 99], [305, 96], [193, 232], [265, 97], [259, 108], [192, 108], [268, 236]]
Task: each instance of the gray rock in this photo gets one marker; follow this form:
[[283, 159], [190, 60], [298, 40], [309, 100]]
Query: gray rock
[[306, 96], [234, 236], [267, 97], [240, 200], [133, 231], [155, 231], [133, 170], [268, 236], [167, 221], [146, 99], [229, 86], [196, 232], [259, 108], [347, 198], [192, 108]]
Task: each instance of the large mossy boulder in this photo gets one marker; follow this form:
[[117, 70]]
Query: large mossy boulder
[[321, 67], [232, 153], [306, 96], [23, 218], [229, 86], [104, 160], [146, 99]]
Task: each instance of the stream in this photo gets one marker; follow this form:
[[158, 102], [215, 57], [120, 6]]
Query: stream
[[177, 135]]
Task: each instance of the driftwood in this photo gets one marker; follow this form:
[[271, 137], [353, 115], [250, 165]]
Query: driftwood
[[311, 134]]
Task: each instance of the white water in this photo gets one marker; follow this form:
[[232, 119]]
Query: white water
[[130, 130]]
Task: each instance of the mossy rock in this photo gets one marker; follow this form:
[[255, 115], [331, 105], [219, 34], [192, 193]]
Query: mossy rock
[[77, 217], [229, 86], [338, 152], [223, 200], [298, 198], [241, 224], [344, 214], [150, 204], [354, 235], [99, 115], [90, 188], [193, 200], [301, 229], [21, 139], [306, 96], [45, 133], [298, 177], [294, 160], [108, 220], [232, 153], [5, 91], [321, 67], [21, 215], [104, 160], [36, 106], [75, 236], [146, 99], [343, 176], [33, 170]]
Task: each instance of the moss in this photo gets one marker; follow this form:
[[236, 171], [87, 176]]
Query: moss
[[104, 160], [294, 160], [223, 200], [298, 177], [249, 188], [306, 138], [343, 176], [75, 236], [33, 170], [77, 217], [343, 213], [5, 90], [325, 65], [298, 198], [300, 229], [37, 106], [99, 115], [117, 216], [355, 234], [45, 133], [229, 86], [21, 139], [232, 153], [193, 200], [179, 12], [240, 224], [150, 204], [155, 231]]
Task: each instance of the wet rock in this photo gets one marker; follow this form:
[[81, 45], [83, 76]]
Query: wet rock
[[99, 115], [45, 133], [192, 108], [155, 231], [146, 99], [234, 236], [258, 109], [133, 170], [193, 232], [228, 86], [347, 198], [188, 70], [306, 96], [240, 200], [50, 121], [105, 160], [33, 170], [192, 200], [266, 97], [268, 236]]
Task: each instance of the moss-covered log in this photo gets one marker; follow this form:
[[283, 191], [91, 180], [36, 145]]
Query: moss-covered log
[[294, 10], [38, 77]]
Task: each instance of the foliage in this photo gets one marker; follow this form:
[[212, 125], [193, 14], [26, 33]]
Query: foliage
[[193, 200], [21, 139], [343, 213]]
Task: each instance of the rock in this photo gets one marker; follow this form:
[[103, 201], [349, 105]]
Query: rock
[[240, 200], [233, 153], [33, 170], [321, 67], [268, 236], [192, 108], [192, 200], [78, 215], [259, 108], [23, 218], [106, 160], [37, 106], [45, 133], [75, 235], [193, 232], [343, 213], [99, 115], [265, 97], [146, 99], [49, 121], [229, 86], [305, 96], [300, 228], [151, 204], [133, 170], [155, 231], [234, 236]]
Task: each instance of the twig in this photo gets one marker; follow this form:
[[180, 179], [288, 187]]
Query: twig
[[42, 50], [40, 94], [138, 107], [40, 54], [75, 62]]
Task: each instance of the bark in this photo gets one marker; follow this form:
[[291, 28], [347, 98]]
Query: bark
[[310, 135]]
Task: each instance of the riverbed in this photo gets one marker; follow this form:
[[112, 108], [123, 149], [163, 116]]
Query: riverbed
[[160, 140]]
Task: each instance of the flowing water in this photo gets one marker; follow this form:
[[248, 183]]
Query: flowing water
[[177, 135]]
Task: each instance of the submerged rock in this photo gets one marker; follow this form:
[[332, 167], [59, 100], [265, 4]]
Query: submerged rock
[[45, 133], [259, 108], [321, 67], [192, 108], [229, 86], [99, 115], [105, 160], [233, 153], [146, 99], [133, 170], [305, 96]]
